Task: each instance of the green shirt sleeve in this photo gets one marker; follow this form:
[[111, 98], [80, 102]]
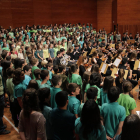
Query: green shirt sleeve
[[79, 81], [123, 115], [19, 92], [76, 108], [133, 105]]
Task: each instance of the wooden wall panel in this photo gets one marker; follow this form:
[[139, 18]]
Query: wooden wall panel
[[42, 10], [128, 12], [23, 12], [114, 15], [128, 15], [104, 15], [5, 13], [74, 11]]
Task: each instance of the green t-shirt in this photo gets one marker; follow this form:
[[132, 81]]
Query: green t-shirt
[[10, 88], [55, 51], [73, 105], [104, 97], [127, 102], [6, 48], [34, 68], [113, 114], [88, 86], [19, 90], [75, 78], [53, 92], [44, 85], [57, 39], [79, 130]]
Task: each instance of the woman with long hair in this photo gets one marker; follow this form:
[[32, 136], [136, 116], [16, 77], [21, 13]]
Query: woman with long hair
[[19, 88], [86, 78], [89, 126], [31, 121], [120, 79], [108, 83], [81, 61], [44, 103]]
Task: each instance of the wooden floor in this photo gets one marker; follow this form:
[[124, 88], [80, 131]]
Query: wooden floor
[[14, 134]]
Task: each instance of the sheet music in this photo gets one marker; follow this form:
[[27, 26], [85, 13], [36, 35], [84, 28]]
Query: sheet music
[[103, 68], [117, 62]]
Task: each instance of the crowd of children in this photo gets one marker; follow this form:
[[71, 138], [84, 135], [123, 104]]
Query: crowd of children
[[49, 100]]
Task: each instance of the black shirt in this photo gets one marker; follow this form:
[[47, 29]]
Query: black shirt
[[131, 63], [124, 38], [99, 62], [81, 70], [56, 61]]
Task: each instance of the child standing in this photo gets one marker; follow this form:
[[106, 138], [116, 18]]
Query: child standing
[[45, 77], [19, 89], [27, 71], [125, 100], [108, 83], [74, 76], [74, 103], [34, 63], [37, 73], [113, 114], [49, 68], [56, 81], [10, 89], [44, 98], [94, 81]]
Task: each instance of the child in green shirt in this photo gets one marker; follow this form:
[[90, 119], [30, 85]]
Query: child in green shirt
[[91, 94], [113, 114], [49, 68], [74, 103], [56, 82], [34, 63], [45, 77], [125, 100], [95, 80], [37, 73], [74, 76]]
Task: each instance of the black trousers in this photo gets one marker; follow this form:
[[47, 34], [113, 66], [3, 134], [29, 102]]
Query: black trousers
[[16, 112]]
